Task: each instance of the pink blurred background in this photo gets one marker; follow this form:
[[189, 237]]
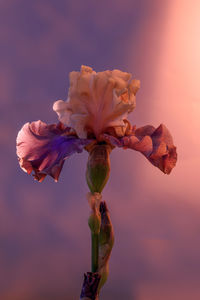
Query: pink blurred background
[[44, 237]]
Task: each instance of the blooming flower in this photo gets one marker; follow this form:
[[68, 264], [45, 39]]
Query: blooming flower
[[95, 112]]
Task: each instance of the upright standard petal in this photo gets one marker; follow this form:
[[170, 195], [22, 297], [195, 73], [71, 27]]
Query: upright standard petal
[[43, 148], [97, 101], [156, 144]]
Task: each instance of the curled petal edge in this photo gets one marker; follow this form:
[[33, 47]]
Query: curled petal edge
[[156, 144], [43, 148]]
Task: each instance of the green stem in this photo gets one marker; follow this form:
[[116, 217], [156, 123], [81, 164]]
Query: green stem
[[95, 251]]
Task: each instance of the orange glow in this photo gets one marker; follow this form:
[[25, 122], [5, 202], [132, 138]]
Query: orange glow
[[176, 95]]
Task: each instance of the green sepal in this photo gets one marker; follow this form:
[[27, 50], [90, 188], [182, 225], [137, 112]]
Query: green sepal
[[97, 178], [98, 168]]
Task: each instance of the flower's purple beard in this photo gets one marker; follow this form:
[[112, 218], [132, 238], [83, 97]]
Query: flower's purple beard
[[43, 148], [156, 144]]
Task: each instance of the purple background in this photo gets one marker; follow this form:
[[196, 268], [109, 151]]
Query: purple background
[[44, 237]]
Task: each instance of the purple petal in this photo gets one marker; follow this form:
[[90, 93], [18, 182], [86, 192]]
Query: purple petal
[[155, 144], [43, 148]]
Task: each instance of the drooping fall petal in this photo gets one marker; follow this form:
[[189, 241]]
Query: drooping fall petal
[[156, 144], [43, 148]]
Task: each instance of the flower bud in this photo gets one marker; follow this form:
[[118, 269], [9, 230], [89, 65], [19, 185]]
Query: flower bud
[[98, 167], [106, 237], [106, 241]]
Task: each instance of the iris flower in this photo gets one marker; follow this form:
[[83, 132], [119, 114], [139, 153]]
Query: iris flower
[[95, 113]]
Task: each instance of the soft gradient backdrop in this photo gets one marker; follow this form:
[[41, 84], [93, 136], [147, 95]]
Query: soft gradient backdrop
[[44, 237]]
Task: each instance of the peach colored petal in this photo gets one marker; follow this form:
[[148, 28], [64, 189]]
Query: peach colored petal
[[97, 101]]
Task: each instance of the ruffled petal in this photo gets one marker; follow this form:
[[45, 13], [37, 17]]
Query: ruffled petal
[[156, 144], [43, 148], [63, 112], [97, 101]]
